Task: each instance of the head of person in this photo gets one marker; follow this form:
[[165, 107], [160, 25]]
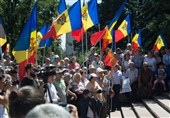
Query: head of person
[[116, 67], [93, 77], [56, 58], [62, 63], [23, 100], [118, 51], [127, 55], [167, 50], [48, 111], [66, 60], [139, 51], [59, 74], [73, 59], [92, 69], [67, 77], [30, 70], [77, 77], [132, 65], [100, 72], [129, 46], [47, 61], [150, 54], [97, 57], [93, 50], [145, 65]]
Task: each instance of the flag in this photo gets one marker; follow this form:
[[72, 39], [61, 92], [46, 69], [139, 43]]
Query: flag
[[107, 38], [110, 59], [68, 21], [160, 42], [123, 30], [2, 34], [62, 6], [89, 18], [24, 49], [41, 33], [7, 49], [97, 36], [137, 41]]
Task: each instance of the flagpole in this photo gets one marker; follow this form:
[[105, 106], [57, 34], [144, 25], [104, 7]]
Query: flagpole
[[43, 55], [100, 42], [82, 50]]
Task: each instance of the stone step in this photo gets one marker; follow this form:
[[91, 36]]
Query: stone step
[[115, 114], [141, 110], [155, 109], [163, 102], [128, 112]]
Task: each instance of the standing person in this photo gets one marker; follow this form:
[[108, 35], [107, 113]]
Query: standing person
[[117, 78], [97, 62], [126, 61], [151, 61], [92, 56], [132, 74], [8, 61], [50, 90], [145, 79], [138, 58], [166, 61], [60, 86], [29, 79]]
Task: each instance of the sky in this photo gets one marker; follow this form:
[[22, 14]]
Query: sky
[[70, 2]]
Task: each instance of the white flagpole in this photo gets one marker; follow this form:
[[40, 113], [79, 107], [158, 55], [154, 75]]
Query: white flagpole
[[43, 55], [82, 50]]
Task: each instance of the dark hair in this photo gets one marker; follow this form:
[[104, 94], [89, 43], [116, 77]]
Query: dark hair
[[23, 100]]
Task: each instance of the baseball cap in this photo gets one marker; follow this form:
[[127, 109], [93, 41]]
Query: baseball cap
[[92, 75]]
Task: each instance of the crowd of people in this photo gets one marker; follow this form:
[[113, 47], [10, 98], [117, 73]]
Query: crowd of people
[[88, 91]]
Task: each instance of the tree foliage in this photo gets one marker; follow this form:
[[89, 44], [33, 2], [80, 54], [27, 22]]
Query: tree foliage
[[15, 14]]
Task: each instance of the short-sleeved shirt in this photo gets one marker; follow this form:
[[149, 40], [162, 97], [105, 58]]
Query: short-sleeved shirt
[[117, 77]]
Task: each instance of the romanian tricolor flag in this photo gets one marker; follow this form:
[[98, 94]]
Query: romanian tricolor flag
[[25, 47], [160, 42], [41, 33], [68, 21], [2, 34], [123, 30], [89, 18], [107, 37], [137, 41]]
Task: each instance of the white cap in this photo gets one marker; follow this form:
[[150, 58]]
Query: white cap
[[100, 70], [92, 75], [129, 44]]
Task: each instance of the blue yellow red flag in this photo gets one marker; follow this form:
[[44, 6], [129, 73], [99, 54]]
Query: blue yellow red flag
[[160, 42], [107, 38], [62, 6], [89, 18], [41, 33], [3, 39], [123, 30], [137, 40], [68, 21], [24, 49]]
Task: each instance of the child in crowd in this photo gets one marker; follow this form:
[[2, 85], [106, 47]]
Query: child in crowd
[[160, 77]]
